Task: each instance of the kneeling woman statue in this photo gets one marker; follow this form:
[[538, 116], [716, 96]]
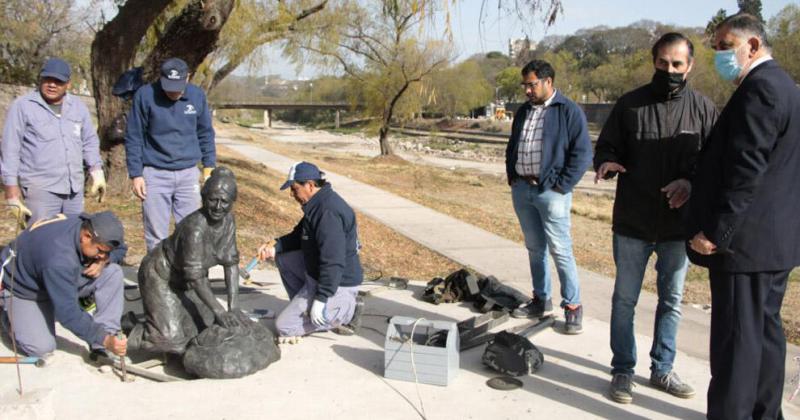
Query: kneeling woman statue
[[173, 277]]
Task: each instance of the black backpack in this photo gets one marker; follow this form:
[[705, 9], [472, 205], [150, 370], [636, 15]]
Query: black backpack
[[512, 354]]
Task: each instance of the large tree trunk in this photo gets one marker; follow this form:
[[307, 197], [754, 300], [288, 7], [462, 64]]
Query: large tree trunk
[[191, 36]]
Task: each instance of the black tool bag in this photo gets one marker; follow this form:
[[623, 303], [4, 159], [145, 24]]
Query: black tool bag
[[486, 293], [513, 355], [495, 296]]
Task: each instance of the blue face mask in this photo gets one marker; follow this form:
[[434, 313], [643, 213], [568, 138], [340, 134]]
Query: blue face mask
[[727, 65]]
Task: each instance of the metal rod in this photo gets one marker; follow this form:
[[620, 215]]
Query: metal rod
[[121, 335]]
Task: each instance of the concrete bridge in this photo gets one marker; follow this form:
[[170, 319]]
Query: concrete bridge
[[268, 107]]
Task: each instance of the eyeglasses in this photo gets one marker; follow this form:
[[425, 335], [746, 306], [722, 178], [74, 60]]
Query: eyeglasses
[[530, 85]]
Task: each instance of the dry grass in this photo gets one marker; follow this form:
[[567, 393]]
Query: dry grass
[[485, 201], [262, 211]]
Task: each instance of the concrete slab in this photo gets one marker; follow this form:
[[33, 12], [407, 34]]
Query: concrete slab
[[503, 258], [330, 376]]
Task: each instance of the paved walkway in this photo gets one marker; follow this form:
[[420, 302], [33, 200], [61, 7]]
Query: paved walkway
[[490, 254], [365, 146]]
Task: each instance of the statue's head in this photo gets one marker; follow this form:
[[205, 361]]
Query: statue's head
[[219, 193]]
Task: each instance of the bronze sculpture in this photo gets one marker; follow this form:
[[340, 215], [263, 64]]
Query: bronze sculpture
[[179, 304]]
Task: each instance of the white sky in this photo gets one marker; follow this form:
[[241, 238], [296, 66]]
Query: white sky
[[472, 34]]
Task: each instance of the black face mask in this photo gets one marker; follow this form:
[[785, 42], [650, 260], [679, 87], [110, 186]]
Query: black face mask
[[665, 82]]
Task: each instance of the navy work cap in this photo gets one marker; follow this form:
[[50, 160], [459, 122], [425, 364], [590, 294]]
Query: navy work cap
[[106, 228], [57, 69], [302, 171], [174, 72], [128, 82]]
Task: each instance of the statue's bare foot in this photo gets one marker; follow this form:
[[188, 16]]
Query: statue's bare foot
[[289, 339]]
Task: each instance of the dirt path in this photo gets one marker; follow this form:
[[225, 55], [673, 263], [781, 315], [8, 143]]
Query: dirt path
[[412, 149]]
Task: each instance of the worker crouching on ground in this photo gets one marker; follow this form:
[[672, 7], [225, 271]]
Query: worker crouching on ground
[[318, 260], [55, 262]]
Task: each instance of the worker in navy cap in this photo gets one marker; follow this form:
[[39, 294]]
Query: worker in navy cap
[[48, 138], [169, 133], [49, 267], [318, 260]]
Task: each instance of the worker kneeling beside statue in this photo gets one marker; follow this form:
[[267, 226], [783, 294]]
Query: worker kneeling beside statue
[[52, 264]]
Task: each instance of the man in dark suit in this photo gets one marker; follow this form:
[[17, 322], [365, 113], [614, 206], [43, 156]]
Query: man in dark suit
[[744, 219]]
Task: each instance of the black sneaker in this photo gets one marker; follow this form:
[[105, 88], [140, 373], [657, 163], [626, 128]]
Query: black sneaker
[[536, 308], [672, 384], [573, 320], [621, 388]]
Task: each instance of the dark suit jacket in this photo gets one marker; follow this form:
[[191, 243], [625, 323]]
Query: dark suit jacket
[[746, 192]]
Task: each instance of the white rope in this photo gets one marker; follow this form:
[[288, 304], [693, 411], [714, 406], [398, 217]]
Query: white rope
[[414, 369]]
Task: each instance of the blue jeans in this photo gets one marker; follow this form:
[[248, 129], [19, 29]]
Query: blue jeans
[[631, 256], [545, 221]]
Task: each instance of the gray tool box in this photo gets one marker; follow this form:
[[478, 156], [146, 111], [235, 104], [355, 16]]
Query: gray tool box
[[435, 351]]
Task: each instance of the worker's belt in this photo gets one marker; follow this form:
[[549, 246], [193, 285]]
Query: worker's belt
[[530, 179]]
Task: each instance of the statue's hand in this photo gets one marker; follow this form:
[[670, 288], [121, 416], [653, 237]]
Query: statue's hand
[[227, 320]]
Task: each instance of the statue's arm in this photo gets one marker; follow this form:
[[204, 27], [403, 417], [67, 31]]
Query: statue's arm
[[232, 285]]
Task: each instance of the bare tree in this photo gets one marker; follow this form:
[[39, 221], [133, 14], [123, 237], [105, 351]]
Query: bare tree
[[376, 45], [28, 33]]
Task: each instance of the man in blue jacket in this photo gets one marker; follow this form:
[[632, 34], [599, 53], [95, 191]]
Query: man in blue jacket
[[47, 139], [169, 132], [52, 264], [318, 260], [547, 154]]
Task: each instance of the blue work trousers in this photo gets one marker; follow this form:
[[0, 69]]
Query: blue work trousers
[[33, 322], [169, 194], [294, 320]]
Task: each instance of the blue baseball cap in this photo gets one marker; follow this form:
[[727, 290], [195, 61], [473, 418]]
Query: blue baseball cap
[[107, 229], [174, 74], [302, 171], [57, 69]]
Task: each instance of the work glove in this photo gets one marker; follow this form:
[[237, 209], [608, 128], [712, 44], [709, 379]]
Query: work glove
[[98, 187], [317, 313], [20, 212], [207, 173]]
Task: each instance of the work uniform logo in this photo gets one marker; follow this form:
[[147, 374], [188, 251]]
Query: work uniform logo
[[174, 75], [190, 110], [76, 129]]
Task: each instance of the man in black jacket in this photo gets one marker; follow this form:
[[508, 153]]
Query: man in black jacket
[[318, 261], [745, 224], [651, 139]]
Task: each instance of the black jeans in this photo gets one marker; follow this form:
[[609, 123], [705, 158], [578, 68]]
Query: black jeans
[[748, 348]]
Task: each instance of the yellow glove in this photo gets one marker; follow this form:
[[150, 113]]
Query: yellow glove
[[207, 173], [98, 187], [20, 212]]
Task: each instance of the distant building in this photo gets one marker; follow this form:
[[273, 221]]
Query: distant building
[[520, 47]]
